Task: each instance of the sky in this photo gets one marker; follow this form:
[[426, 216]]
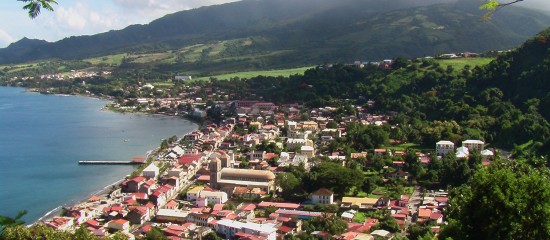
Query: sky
[[87, 17]]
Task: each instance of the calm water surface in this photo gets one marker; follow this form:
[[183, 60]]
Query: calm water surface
[[42, 137]]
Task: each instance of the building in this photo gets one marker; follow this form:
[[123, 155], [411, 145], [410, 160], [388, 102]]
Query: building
[[474, 145], [294, 143], [322, 196], [183, 77], [119, 224], [151, 171], [230, 229], [308, 151], [213, 197], [193, 194], [362, 203], [444, 147], [228, 178]]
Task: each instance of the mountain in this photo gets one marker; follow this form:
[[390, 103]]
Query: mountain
[[310, 31]]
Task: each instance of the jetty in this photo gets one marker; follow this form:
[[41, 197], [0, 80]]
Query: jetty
[[134, 161]]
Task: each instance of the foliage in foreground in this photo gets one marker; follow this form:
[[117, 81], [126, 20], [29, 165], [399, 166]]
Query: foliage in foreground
[[507, 200]]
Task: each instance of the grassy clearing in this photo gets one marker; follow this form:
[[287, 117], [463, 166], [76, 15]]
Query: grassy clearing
[[163, 84], [250, 74], [459, 63], [108, 60]]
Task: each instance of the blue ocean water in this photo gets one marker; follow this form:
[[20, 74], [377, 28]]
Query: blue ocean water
[[42, 138]]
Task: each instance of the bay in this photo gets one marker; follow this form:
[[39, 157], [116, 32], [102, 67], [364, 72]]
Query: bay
[[42, 138]]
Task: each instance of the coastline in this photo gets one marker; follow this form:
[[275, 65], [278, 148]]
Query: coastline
[[106, 189], [101, 192]]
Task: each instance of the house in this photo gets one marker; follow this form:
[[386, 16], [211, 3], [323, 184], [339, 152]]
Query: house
[[257, 155], [382, 152], [462, 152], [171, 215], [382, 234], [361, 203], [193, 194], [308, 151], [119, 224], [398, 174], [230, 229], [212, 197], [138, 215], [294, 143], [444, 147], [322, 196], [183, 77], [200, 219], [279, 205], [473, 145], [151, 171], [61, 223], [135, 184]]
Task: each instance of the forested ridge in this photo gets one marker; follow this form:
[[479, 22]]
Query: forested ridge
[[506, 102]]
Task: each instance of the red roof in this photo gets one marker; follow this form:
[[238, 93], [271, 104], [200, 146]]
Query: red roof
[[120, 221], [189, 158], [424, 212], [138, 179], [436, 215], [93, 223], [204, 178], [218, 207], [140, 160], [285, 229], [399, 216]]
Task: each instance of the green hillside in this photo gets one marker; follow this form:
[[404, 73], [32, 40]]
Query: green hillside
[[285, 33]]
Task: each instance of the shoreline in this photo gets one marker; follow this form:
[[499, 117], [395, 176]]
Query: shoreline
[[106, 189]]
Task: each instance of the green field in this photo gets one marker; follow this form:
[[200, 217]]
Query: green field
[[250, 74], [108, 60], [459, 63]]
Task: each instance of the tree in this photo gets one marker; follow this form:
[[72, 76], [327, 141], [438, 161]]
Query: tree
[[35, 6], [506, 200], [155, 234], [11, 222], [493, 5], [288, 183]]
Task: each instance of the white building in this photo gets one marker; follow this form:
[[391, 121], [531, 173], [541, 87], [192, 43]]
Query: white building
[[293, 143], [322, 196], [308, 151], [444, 147], [213, 197], [151, 171], [229, 228], [462, 152], [474, 145]]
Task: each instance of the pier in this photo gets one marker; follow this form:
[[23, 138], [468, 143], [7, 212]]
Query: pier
[[100, 162]]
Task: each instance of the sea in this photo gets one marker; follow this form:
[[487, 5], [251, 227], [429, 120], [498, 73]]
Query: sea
[[42, 138]]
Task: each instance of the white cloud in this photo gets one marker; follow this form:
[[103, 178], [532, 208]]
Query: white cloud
[[5, 38], [70, 18]]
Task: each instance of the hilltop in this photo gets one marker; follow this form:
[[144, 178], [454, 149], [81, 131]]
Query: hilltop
[[286, 33]]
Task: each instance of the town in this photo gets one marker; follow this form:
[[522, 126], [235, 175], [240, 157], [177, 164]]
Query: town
[[267, 171]]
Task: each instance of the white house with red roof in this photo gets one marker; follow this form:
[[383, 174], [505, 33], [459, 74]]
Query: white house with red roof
[[322, 196]]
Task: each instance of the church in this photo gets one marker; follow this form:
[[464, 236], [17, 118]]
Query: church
[[224, 177]]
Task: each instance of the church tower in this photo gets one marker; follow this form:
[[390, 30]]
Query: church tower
[[215, 167]]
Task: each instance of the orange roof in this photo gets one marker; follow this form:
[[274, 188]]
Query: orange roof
[[94, 199], [424, 213]]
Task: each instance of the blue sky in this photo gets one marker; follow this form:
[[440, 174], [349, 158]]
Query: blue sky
[[87, 17]]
